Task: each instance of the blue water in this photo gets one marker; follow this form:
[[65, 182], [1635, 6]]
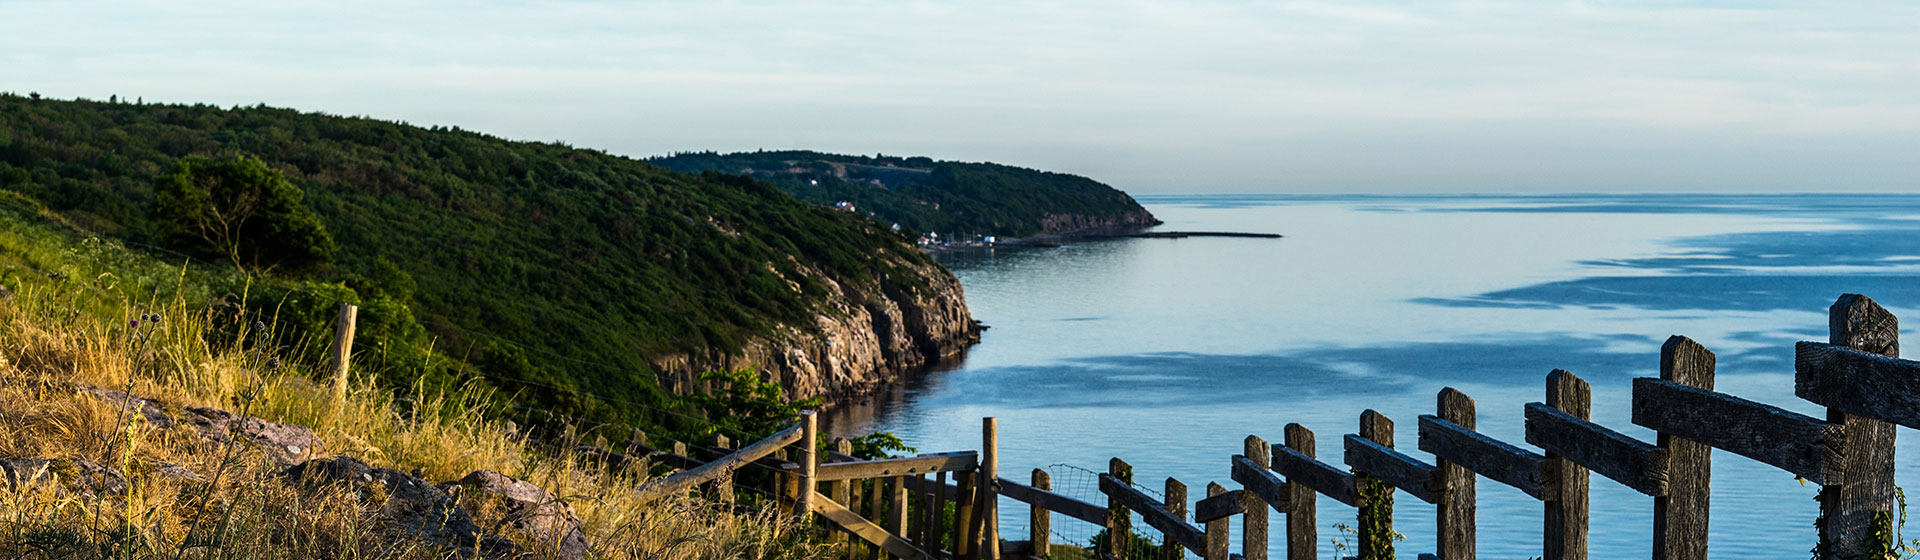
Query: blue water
[[1167, 352]]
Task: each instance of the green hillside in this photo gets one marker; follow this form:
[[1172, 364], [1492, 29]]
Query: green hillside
[[924, 195], [544, 269]]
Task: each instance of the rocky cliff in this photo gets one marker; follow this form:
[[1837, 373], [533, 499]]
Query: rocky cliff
[[857, 343], [1068, 225]]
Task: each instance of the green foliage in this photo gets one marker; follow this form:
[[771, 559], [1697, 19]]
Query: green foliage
[[1136, 547], [923, 195], [878, 445], [238, 210], [744, 404], [1375, 519], [557, 274]]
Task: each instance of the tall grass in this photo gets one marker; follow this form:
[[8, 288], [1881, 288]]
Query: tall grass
[[188, 349]]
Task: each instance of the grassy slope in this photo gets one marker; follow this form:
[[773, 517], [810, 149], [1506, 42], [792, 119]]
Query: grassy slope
[[945, 196], [67, 321], [593, 262]]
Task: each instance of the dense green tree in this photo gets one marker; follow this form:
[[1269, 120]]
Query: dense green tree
[[240, 210]]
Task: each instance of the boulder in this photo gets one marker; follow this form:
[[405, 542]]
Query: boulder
[[282, 443], [66, 474], [409, 504], [539, 516]]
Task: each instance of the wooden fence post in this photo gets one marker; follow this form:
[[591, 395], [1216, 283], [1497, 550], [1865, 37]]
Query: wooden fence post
[[342, 352], [1680, 517], [897, 508], [1847, 509], [1376, 496], [1217, 530], [1455, 522], [1566, 504], [966, 533], [1303, 532], [1253, 537], [1040, 524], [809, 464], [989, 479], [837, 491], [936, 515], [722, 488], [856, 500], [1176, 504], [1119, 520]]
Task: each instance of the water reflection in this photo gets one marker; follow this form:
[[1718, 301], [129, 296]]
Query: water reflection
[[1168, 352]]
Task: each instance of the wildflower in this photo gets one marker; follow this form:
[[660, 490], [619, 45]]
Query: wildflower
[[134, 323], [259, 326], [273, 362]]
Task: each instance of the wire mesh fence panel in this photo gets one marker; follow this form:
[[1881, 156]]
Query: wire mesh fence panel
[[1075, 539]]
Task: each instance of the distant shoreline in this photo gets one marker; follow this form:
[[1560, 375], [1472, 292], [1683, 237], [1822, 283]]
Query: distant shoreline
[[1054, 240]]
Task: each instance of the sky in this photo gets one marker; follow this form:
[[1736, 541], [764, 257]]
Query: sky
[[1152, 97]]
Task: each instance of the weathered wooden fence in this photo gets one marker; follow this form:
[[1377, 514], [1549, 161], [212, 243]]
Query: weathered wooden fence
[[1856, 375]]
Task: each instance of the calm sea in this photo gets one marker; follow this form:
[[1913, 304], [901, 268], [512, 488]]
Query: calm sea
[[1167, 352]]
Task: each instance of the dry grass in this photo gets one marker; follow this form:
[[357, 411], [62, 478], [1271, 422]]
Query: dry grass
[[55, 336]]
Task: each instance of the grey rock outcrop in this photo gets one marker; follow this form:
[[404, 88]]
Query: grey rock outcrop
[[67, 474], [541, 517], [283, 444], [411, 505], [858, 343]]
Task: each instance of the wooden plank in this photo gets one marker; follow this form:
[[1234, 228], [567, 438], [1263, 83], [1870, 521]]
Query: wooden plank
[[1680, 517], [856, 502], [858, 526], [1454, 523], [1631, 462], [989, 499], [936, 513], [1322, 478], [1485, 456], [1054, 502], [924, 489], [681, 483], [1803, 445], [1253, 532], [1303, 541], [1176, 505], [1565, 515], [809, 464], [1119, 519], [965, 529], [1040, 521], [836, 489], [1151, 511], [1849, 510], [1414, 476], [1261, 484], [1232, 503], [1858, 383], [897, 506], [1217, 529], [900, 466], [1375, 518], [1018, 549]]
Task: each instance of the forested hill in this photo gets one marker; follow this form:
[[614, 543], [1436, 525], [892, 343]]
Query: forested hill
[[575, 272], [925, 195]]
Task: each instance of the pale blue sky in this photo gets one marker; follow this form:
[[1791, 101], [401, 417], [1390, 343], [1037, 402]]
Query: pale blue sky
[[1151, 97]]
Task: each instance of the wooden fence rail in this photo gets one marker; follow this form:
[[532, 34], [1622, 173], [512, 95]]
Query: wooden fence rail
[[1856, 375]]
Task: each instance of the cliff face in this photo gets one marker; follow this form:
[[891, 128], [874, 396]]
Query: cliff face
[[1073, 224], [858, 342]]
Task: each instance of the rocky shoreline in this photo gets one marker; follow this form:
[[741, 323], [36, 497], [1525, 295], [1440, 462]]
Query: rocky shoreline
[[858, 343]]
